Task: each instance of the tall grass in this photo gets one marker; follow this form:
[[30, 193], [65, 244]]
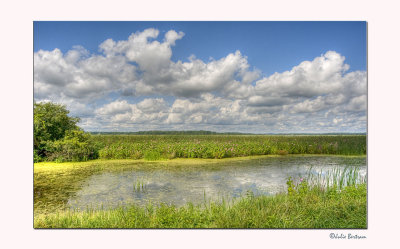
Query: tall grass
[[156, 147], [336, 179], [312, 202]]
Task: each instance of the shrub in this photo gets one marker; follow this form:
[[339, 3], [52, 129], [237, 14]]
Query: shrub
[[75, 146], [57, 137], [36, 157]]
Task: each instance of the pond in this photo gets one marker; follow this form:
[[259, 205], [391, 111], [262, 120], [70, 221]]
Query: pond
[[200, 184]]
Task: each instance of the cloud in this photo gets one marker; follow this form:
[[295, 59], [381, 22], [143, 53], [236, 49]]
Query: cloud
[[258, 100], [357, 104], [171, 36], [309, 105], [310, 78], [75, 75], [105, 89], [152, 105], [51, 68], [114, 108], [149, 54], [263, 109], [227, 75]]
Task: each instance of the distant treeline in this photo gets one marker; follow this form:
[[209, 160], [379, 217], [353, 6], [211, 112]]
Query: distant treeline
[[202, 132]]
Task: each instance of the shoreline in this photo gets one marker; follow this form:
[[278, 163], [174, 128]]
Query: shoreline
[[205, 160], [168, 162]]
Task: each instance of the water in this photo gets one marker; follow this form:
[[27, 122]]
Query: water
[[201, 183]]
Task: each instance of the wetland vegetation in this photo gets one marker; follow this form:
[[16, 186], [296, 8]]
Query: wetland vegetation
[[318, 198], [310, 202], [162, 180], [164, 147], [153, 147]]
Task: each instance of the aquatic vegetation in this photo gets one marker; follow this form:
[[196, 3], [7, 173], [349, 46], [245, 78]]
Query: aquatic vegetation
[[336, 199], [335, 179], [152, 156], [164, 147], [139, 185], [332, 181], [158, 147], [345, 209]]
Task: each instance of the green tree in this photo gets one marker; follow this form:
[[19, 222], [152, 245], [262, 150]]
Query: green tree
[[51, 123]]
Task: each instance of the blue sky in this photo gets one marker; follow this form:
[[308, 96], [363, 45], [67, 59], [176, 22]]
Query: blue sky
[[269, 46], [249, 52]]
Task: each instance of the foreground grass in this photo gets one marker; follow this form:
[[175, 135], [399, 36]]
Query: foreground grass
[[302, 207]]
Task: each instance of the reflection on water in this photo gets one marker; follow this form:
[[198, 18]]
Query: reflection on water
[[226, 180]]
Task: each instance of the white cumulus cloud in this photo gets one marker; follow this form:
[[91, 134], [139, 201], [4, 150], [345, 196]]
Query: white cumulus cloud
[[104, 89]]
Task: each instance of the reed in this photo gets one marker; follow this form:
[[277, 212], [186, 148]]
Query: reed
[[335, 179], [158, 147], [139, 186]]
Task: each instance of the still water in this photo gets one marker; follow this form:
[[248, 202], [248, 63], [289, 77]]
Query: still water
[[201, 183]]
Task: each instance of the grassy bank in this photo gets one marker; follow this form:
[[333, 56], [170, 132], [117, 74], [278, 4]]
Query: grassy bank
[[156, 147], [337, 200], [309, 209]]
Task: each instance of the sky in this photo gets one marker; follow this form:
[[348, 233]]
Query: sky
[[257, 77]]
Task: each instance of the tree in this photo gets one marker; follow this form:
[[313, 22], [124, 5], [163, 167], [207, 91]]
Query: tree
[[51, 122]]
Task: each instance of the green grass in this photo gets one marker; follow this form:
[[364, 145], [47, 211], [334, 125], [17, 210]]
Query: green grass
[[159, 147], [345, 209], [313, 202]]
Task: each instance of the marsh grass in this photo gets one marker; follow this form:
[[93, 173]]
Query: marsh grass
[[335, 179], [162, 147], [152, 156], [139, 186], [333, 200]]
